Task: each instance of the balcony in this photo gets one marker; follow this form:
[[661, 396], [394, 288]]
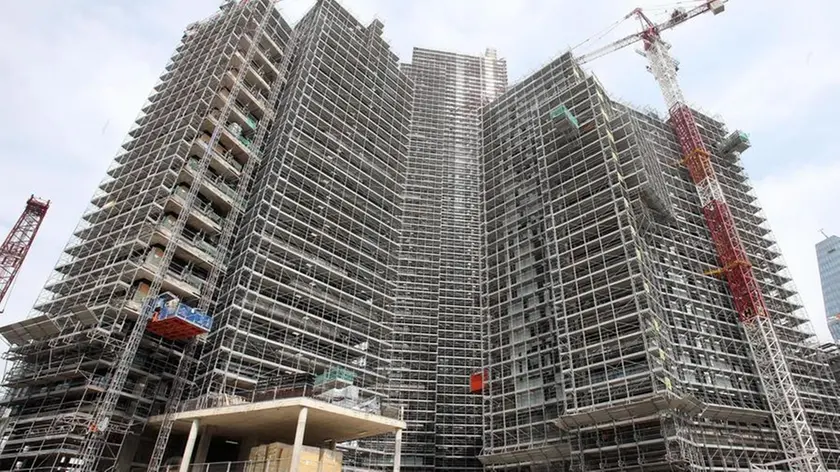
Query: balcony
[[233, 136], [260, 74], [216, 188], [271, 46], [203, 216], [223, 161], [194, 245], [251, 91], [181, 278], [268, 49], [246, 117]]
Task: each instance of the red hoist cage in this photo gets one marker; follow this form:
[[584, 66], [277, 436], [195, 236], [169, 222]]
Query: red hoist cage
[[17, 243]]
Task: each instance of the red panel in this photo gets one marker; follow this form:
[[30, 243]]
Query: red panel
[[746, 292], [477, 381], [174, 328]]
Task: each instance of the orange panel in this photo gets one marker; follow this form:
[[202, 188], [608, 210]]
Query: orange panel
[[174, 328], [477, 381]]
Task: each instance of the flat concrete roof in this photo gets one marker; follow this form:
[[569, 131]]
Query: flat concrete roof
[[276, 420], [626, 410]]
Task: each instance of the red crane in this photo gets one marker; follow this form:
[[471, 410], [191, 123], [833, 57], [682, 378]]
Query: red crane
[[785, 404], [17, 243]]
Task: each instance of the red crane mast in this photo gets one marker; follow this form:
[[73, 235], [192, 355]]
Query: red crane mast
[[17, 243]]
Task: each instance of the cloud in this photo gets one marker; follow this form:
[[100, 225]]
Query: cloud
[[76, 73], [797, 206]]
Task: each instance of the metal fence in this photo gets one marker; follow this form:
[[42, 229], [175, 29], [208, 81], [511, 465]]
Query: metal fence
[[347, 396]]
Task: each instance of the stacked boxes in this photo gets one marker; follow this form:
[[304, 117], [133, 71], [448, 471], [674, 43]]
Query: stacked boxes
[[330, 461], [310, 457], [275, 460], [256, 459], [277, 457]]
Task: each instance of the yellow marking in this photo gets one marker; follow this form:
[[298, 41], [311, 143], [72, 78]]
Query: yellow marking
[[723, 270]]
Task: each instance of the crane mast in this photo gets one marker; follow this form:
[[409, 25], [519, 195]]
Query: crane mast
[[783, 398], [14, 249]]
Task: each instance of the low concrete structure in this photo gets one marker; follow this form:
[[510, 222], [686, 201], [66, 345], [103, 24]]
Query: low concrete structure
[[299, 421]]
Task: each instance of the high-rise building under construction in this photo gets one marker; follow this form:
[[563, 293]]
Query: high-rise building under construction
[[611, 342], [525, 273], [437, 329], [263, 186], [83, 381]]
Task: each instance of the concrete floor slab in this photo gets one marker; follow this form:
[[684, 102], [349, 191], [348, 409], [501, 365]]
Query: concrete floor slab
[[276, 420]]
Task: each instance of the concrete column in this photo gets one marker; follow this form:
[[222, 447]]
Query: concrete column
[[188, 449], [203, 445], [397, 450], [127, 452], [299, 432]]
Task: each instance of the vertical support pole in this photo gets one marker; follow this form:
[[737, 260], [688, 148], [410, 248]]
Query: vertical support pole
[[299, 432], [397, 450], [203, 444], [188, 449]]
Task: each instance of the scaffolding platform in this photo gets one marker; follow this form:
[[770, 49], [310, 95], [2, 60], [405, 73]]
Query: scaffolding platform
[[176, 320], [276, 420], [42, 327], [38, 327], [736, 142], [548, 452], [623, 411]]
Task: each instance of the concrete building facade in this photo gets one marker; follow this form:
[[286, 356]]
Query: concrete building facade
[[828, 261]]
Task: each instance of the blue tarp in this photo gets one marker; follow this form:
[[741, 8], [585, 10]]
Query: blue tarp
[[170, 307]]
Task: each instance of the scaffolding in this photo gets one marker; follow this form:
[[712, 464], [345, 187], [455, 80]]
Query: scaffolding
[[437, 319], [86, 374], [609, 348], [311, 279], [370, 235]]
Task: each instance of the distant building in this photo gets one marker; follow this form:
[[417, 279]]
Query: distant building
[[832, 352], [828, 259]]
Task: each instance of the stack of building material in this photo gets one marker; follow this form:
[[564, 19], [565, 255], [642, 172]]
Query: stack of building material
[[310, 457], [330, 460], [275, 462], [256, 459], [277, 457]]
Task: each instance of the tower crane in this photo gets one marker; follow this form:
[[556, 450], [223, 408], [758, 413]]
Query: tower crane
[[783, 399], [14, 249]]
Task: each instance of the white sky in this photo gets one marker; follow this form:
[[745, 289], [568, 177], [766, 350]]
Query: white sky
[[75, 74]]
